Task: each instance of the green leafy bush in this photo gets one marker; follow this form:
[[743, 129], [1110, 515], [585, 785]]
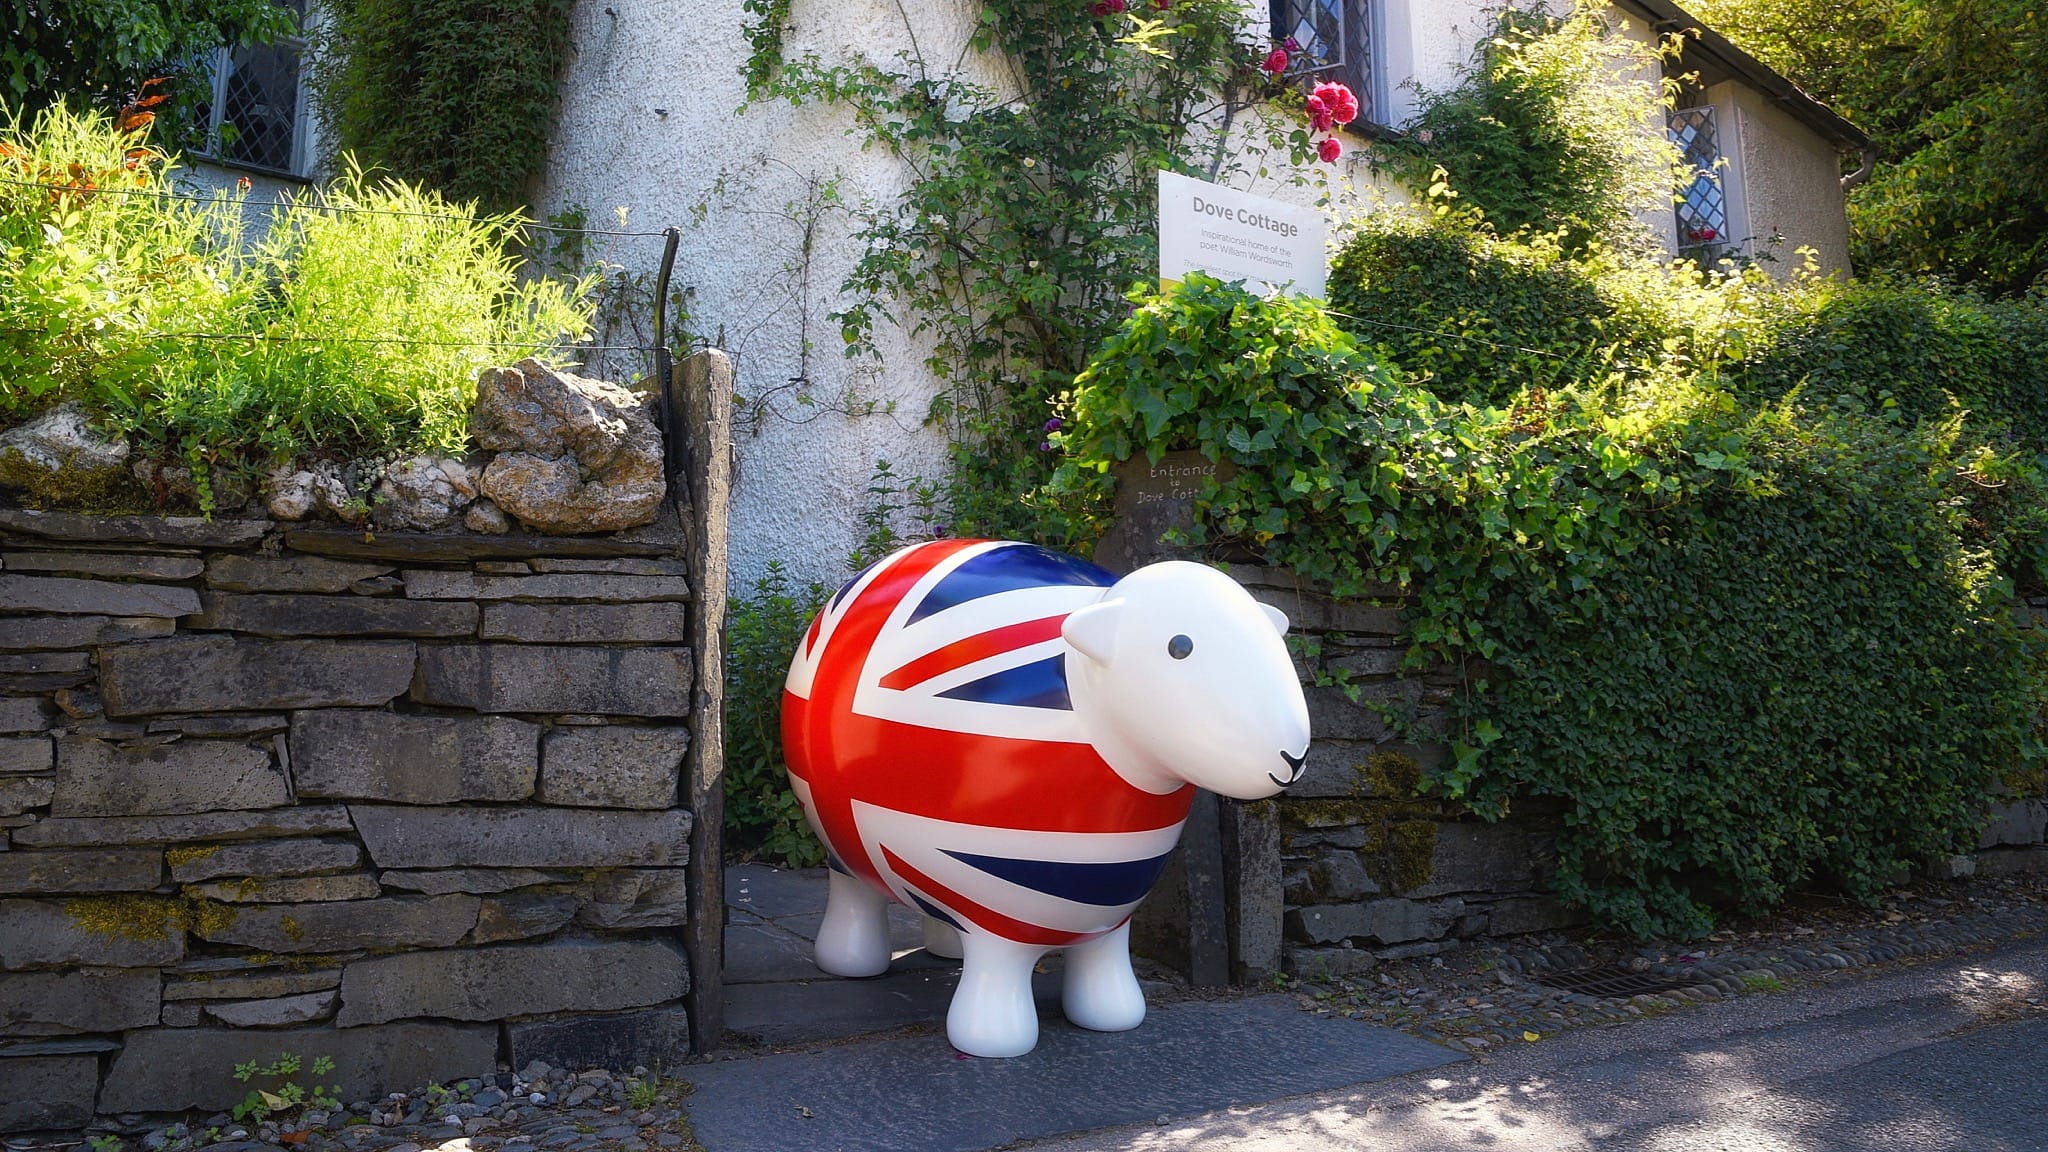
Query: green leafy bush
[[763, 819], [1547, 129], [454, 95], [356, 322], [1749, 647], [1920, 347]]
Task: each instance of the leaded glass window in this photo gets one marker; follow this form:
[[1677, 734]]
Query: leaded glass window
[[1702, 203], [257, 115], [1328, 40]]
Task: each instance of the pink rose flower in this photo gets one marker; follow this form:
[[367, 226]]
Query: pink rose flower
[[1276, 62], [1329, 150], [1338, 99]]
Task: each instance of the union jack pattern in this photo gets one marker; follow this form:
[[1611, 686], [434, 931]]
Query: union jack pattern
[[932, 741]]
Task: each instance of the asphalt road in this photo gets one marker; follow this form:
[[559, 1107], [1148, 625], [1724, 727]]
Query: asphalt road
[[1941, 1056]]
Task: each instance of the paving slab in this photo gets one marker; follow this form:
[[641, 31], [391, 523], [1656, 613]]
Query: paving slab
[[775, 892], [917, 1092]]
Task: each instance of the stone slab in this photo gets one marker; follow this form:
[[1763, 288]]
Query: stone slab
[[586, 623], [340, 926], [169, 1069], [72, 597], [38, 1092], [655, 1039], [2019, 823], [64, 872], [176, 531], [24, 714], [637, 898], [612, 767], [34, 663], [288, 889], [31, 632], [457, 547], [437, 584], [1381, 921], [651, 682], [185, 777], [229, 674], [308, 820], [86, 1000], [125, 565], [512, 979], [18, 794], [115, 931], [480, 880], [260, 724], [401, 837], [27, 755], [523, 916], [268, 985], [281, 1012], [265, 614], [623, 567], [773, 893], [350, 754], [853, 1099], [263, 858], [287, 573]]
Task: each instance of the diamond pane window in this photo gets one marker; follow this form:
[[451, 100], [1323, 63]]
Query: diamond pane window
[[255, 116], [1702, 203], [1317, 29]]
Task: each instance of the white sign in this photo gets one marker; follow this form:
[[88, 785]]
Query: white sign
[[1234, 235]]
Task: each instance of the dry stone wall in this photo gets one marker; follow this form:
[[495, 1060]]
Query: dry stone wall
[[415, 802], [1369, 869]]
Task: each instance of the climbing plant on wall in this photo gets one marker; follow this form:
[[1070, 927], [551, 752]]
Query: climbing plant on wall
[[458, 95], [1031, 204]]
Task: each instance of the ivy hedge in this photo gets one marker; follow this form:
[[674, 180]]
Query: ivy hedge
[[1750, 641]]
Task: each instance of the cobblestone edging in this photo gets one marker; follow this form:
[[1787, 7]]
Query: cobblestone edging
[[1483, 998], [407, 801]]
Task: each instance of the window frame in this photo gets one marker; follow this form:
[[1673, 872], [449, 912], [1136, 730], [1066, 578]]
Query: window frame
[[221, 69], [1357, 20]]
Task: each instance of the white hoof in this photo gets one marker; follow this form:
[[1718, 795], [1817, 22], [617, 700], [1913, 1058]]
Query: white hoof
[[854, 938], [992, 1012]]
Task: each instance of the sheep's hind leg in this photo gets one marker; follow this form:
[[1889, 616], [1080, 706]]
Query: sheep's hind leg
[[992, 1012], [854, 938], [941, 939], [1100, 991]]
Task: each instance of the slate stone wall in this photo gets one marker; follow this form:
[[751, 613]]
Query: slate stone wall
[[1367, 869], [416, 802]]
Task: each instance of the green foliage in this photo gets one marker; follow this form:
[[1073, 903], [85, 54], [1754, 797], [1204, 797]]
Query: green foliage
[[1920, 347], [100, 53], [364, 331], [1749, 647], [1949, 91], [285, 1092], [762, 817], [455, 95], [1547, 129], [1029, 210]]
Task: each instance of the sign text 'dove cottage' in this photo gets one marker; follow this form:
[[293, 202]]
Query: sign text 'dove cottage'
[[1235, 235]]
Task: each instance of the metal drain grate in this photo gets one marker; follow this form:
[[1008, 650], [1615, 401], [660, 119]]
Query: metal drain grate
[[1613, 982]]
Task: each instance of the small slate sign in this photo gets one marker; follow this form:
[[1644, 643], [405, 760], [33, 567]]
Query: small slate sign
[[1153, 500]]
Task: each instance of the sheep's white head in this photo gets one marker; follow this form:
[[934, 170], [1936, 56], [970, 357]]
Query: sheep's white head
[[1180, 676]]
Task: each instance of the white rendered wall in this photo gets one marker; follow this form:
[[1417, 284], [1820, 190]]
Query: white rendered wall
[[648, 122]]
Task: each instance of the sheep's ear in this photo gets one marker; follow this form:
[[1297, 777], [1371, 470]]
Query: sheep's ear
[[1275, 617], [1092, 630]]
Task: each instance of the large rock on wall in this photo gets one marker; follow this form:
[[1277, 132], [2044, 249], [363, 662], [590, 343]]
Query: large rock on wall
[[574, 455], [58, 457]]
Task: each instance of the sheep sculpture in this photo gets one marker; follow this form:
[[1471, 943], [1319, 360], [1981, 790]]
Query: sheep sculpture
[[1008, 740]]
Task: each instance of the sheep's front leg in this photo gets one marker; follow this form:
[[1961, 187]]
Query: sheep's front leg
[[1101, 992], [992, 1012], [854, 938]]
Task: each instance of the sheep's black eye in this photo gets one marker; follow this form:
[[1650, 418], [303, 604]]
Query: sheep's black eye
[[1179, 647]]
